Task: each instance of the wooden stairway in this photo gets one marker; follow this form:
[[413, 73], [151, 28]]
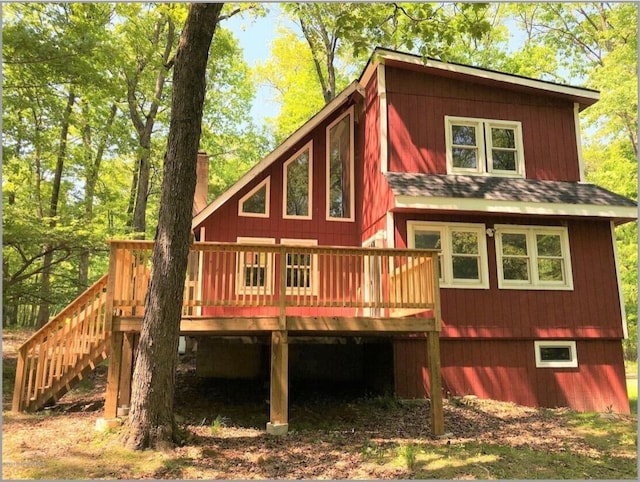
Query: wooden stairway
[[63, 351]]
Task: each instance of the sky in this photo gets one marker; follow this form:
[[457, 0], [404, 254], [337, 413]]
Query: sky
[[255, 37]]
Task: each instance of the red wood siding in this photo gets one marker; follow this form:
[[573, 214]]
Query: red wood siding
[[418, 104], [505, 370], [377, 196], [591, 310], [226, 225]]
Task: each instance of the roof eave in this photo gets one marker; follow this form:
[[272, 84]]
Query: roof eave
[[584, 97], [620, 214]]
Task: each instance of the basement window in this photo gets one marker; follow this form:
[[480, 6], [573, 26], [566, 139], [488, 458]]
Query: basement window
[[556, 354], [256, 202]]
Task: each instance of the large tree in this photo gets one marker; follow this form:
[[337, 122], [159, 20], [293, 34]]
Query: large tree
[[151, 421]]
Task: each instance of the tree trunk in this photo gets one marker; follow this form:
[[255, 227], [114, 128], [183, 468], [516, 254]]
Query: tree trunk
[[91, 179], [139, 223], [151, 420], [143, 124], [45, 286]]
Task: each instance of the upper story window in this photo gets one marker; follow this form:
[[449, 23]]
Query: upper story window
[[256, 202], [298, 181], [533, 257], [484, 146], [463, 251], [340, 184]]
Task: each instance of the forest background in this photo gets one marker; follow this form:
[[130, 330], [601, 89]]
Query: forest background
[[86, 91]]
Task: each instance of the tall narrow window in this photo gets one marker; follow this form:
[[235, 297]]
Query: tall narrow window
[[256, 202], [298, 181], [340, 186]]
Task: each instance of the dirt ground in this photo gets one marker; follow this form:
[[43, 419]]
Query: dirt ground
[[342, 436]]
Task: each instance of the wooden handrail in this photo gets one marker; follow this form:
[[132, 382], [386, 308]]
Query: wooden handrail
[[53, 351], [391, 282]]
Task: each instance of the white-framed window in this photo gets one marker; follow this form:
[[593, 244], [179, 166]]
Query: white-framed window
[[255, 268], [256, 202], [556, 354], [298, 182], [533, 257], [463, 251], [484, 147], [301, 268], [340, 168]]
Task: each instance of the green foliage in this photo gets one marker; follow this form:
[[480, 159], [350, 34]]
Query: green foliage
[[111, 58], [218, 424], [292, 78], [409, 453], [233, 142]]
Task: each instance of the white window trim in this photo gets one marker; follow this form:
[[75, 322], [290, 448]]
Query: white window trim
[[484, 162], [445, 229], [240, 264], [308, 146], [573, 363], [351, 218], [267, 200], [315, 273], [534, 283]]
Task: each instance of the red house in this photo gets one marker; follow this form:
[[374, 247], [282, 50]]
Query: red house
[[429, 232], [486, 167]]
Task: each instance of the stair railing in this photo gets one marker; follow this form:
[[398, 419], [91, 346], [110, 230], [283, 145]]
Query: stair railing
[[52, 353]]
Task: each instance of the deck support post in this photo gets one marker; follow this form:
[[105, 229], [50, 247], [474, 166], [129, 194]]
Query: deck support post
[[126, 370], [113, 375], [435, 377], [279, 399]]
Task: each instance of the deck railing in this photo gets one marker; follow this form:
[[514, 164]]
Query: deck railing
[[222, 277], [59, 350]]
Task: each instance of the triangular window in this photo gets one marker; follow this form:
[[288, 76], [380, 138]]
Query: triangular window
[[256, 202]]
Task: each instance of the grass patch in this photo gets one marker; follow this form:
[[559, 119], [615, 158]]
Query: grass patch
[[488, 461], [631, 366], [409, 454], [611, 437], [100, 458], [218, 424], [632, 391]]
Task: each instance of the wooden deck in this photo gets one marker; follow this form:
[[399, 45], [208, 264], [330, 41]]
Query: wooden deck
[[230, 289]]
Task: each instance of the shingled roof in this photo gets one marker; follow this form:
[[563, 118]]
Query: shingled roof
[[499, 191]]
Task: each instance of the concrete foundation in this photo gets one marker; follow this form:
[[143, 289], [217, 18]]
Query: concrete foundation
[[277, 428], [226, 360], [106, 424]]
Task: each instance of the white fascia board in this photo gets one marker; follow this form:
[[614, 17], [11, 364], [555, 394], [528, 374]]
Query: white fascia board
[[616, 259], [514, 207], [491, 75], [276, 153], [576, 121], [384, 119]]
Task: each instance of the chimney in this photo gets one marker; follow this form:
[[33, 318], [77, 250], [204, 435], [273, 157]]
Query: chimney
[[202, 183]]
